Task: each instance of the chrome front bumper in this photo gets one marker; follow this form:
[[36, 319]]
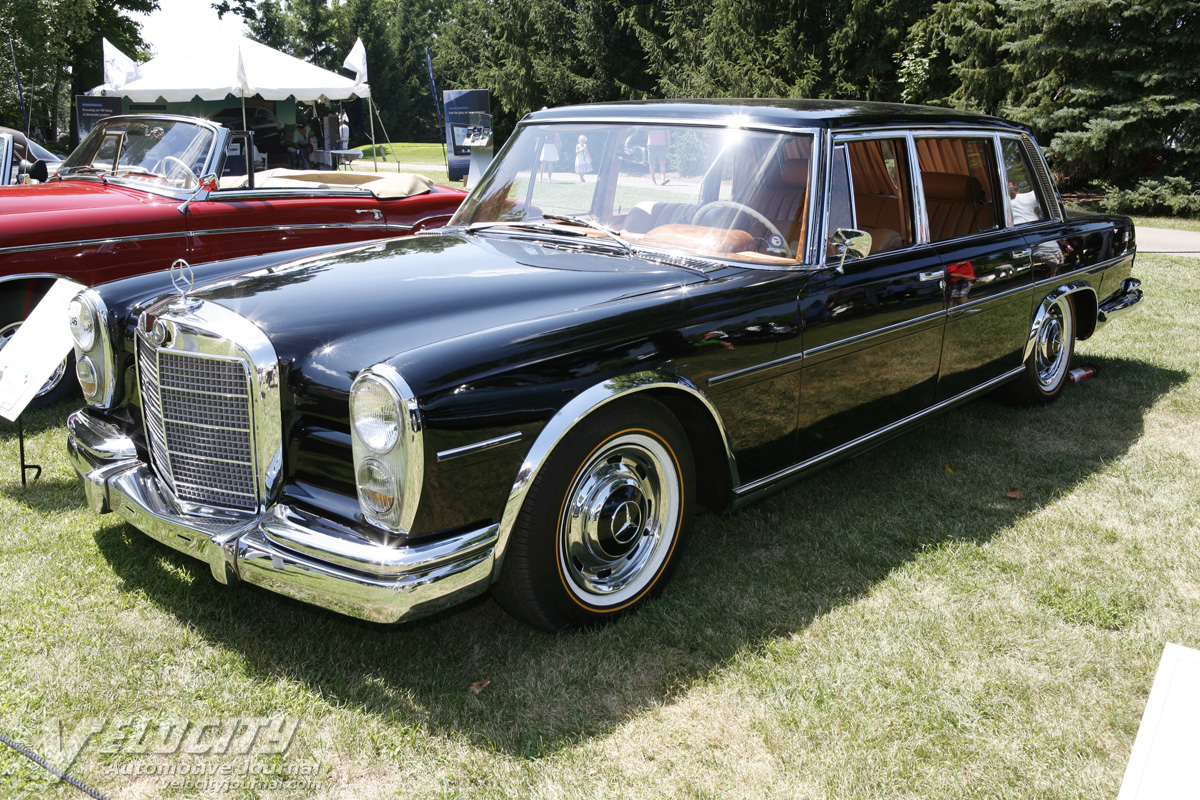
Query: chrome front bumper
[[285, 550]]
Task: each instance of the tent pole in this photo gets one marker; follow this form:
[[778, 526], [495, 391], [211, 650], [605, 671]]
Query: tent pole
[[374, 149], [243, 94]]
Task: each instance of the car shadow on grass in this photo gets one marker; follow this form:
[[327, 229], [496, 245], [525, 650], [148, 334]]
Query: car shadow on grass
[[747, 578]]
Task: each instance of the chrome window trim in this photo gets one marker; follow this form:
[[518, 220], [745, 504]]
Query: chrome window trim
[[1042, 173], [478, 447], [243, 193], [575, 411], [744, 493], [203, 328], [1048, 200], [919, 216], [730, 121], [216, 150]]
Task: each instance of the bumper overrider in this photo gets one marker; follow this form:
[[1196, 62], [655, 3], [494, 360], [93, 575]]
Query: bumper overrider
[[283, 549]]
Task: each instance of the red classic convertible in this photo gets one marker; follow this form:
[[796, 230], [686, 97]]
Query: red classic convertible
[[142, 191]]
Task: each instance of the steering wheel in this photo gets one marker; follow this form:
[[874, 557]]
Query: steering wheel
[[173, 164], [744, 209]]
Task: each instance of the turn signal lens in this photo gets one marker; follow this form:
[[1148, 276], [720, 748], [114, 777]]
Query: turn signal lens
[[85, 371], [376, 486]]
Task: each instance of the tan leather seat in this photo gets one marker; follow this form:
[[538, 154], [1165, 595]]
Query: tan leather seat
[[956, 206]]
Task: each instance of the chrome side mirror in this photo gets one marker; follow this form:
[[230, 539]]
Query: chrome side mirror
[[850, 242], [207, 183]]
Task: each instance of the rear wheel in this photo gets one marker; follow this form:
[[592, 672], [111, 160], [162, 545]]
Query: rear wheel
[[1047, 367], [603, 524]]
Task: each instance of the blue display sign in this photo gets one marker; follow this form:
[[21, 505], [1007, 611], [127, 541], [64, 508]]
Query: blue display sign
[[464, 109]]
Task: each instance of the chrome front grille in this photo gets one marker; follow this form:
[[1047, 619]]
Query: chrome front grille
[[199, 421]]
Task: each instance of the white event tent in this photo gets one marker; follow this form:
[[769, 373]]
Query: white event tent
[[234, 66], [238, 67]]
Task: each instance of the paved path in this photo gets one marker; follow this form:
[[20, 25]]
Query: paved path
[[1163, 240]]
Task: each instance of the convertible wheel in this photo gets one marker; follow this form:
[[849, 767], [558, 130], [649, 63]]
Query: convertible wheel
[[603, 524], [1046, 370], [14, 306], [59, 386]]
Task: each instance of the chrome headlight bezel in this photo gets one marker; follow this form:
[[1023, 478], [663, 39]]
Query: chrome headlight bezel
[[397, 455], [99, 351]]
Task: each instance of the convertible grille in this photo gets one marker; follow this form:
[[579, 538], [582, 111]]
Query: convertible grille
[[198, 420]]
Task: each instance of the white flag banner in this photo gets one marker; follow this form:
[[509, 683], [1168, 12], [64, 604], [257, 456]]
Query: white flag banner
[[357, 61], [119, 69], [243, 81]]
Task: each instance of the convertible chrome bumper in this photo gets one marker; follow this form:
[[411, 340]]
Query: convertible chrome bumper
[[285, 550]]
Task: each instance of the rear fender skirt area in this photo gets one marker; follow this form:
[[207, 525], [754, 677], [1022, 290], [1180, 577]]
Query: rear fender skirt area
[[1043, 310]]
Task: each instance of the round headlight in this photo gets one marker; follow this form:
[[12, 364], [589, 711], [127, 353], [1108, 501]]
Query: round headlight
[[376, 487], [375, 417], [83, 325], [85, 371]]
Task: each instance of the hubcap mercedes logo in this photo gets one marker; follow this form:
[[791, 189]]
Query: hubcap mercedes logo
[[626, 521]]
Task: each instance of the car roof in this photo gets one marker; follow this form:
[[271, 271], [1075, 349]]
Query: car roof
[[783, 112]]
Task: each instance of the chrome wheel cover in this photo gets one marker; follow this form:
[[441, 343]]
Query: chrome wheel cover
[[620, 520], [6, 334], [1052, 349]]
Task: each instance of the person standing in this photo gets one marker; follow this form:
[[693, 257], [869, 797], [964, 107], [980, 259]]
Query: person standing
[[583, 159], [549, 156], [299, 147], [656, 147]]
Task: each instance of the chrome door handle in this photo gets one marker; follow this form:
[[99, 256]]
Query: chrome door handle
[[1020, 255], [374, 212], [931, 276]]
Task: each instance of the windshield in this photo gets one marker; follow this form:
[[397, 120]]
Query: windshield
[[728, 193], [159, 152]]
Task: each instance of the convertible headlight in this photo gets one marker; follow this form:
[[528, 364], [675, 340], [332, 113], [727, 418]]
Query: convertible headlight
[[388, 444], [94, 358], [83, 324]]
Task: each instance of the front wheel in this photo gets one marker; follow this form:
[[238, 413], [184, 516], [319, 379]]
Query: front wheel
[[1047, 367], [603, 523]]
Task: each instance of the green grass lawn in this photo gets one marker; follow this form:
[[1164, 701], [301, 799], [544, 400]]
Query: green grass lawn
[[1173, 223], [894, 627]]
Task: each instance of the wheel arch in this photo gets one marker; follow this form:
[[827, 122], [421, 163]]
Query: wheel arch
[[695, 412], [1084, 307], [26, 289]]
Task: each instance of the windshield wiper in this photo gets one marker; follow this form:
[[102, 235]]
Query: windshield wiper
[[83, 169], [590, 223], [539, 224]]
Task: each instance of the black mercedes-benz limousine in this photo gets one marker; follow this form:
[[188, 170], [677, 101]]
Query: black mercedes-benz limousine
[[640, 308]]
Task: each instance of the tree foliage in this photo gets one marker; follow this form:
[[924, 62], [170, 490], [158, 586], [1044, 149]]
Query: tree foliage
[[1111, 86], [57, 47]]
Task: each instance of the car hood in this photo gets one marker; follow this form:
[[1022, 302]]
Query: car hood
[[72, 195], [332, 315]]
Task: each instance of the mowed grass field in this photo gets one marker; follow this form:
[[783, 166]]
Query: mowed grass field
[[897, 626]]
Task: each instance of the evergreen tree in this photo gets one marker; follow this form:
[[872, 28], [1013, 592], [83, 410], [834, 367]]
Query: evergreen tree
[[1114, 84]]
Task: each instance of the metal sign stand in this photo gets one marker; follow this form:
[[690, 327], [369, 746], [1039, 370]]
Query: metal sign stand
[[24, 466]]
